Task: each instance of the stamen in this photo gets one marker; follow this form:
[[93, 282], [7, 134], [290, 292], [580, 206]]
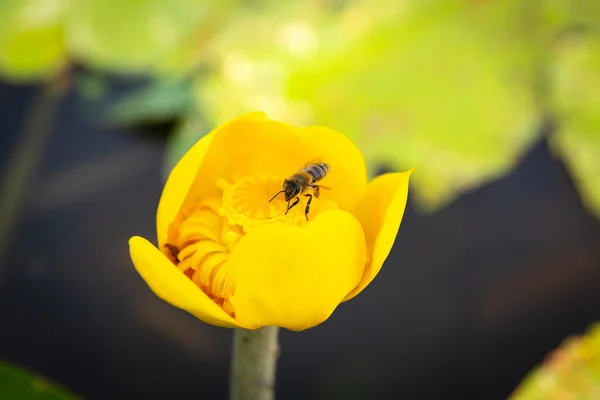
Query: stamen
[[207, 265], [228, 307], [202, 252]]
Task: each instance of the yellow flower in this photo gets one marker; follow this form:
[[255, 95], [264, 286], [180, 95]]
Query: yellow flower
[[232, 258]]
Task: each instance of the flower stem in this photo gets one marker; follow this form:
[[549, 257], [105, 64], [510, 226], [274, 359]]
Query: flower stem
[[26, 157], [253, 366]]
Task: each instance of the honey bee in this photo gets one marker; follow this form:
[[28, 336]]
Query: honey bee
[[302, 181]]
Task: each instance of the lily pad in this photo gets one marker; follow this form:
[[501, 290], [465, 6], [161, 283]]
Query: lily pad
[[32, 44], [137, 35], [159, 101], [570, 372], [19, 384], [576, 101], [446, 88], [190, 129], [253, 56]]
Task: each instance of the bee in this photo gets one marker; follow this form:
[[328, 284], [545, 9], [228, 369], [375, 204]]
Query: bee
[[302, 181]]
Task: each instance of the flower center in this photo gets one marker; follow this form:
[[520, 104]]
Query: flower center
[[247, 203], [211, 230]]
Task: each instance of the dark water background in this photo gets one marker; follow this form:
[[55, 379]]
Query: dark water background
[[471, 298]]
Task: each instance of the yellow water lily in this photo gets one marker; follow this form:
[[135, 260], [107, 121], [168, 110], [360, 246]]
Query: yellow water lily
[[232, 258]]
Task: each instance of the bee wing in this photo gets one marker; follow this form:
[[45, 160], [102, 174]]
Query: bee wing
[[315, 160]]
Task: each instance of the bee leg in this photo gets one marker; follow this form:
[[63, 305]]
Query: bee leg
[[316, 191], [322, 187], [293, 204], [307, 209]]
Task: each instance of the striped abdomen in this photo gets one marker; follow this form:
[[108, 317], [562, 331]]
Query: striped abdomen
[[317, 171]]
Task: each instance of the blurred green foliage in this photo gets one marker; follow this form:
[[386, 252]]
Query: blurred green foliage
[[447, 90], [140, 35], [18, 384], [576, 101], [164, 37], [32, 40], [570, 372], [190, 128], [458, 89], [157, 102]]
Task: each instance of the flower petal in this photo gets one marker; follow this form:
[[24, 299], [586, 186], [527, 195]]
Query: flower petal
[[260, 146], [380, 214], [348, 175], [177, 186], [181, 178], [171, 285], [294, 277]]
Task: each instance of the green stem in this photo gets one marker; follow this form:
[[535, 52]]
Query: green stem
[[253, 366], [27, 156]]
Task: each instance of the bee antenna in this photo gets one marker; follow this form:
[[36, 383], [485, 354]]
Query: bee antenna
[[281, 191]]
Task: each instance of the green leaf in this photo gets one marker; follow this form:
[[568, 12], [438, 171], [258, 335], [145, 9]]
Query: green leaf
[[446, 87], [32, 44], [92, 85], [18, 384], [253, 56], [571, 371], [139, 35], [576, 101], [190, 130], [159, 101]]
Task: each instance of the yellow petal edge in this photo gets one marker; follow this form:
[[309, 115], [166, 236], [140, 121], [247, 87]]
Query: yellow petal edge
[[174, 287], [380, 214]]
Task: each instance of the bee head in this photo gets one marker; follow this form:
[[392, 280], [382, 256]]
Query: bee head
[[290, 189]]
